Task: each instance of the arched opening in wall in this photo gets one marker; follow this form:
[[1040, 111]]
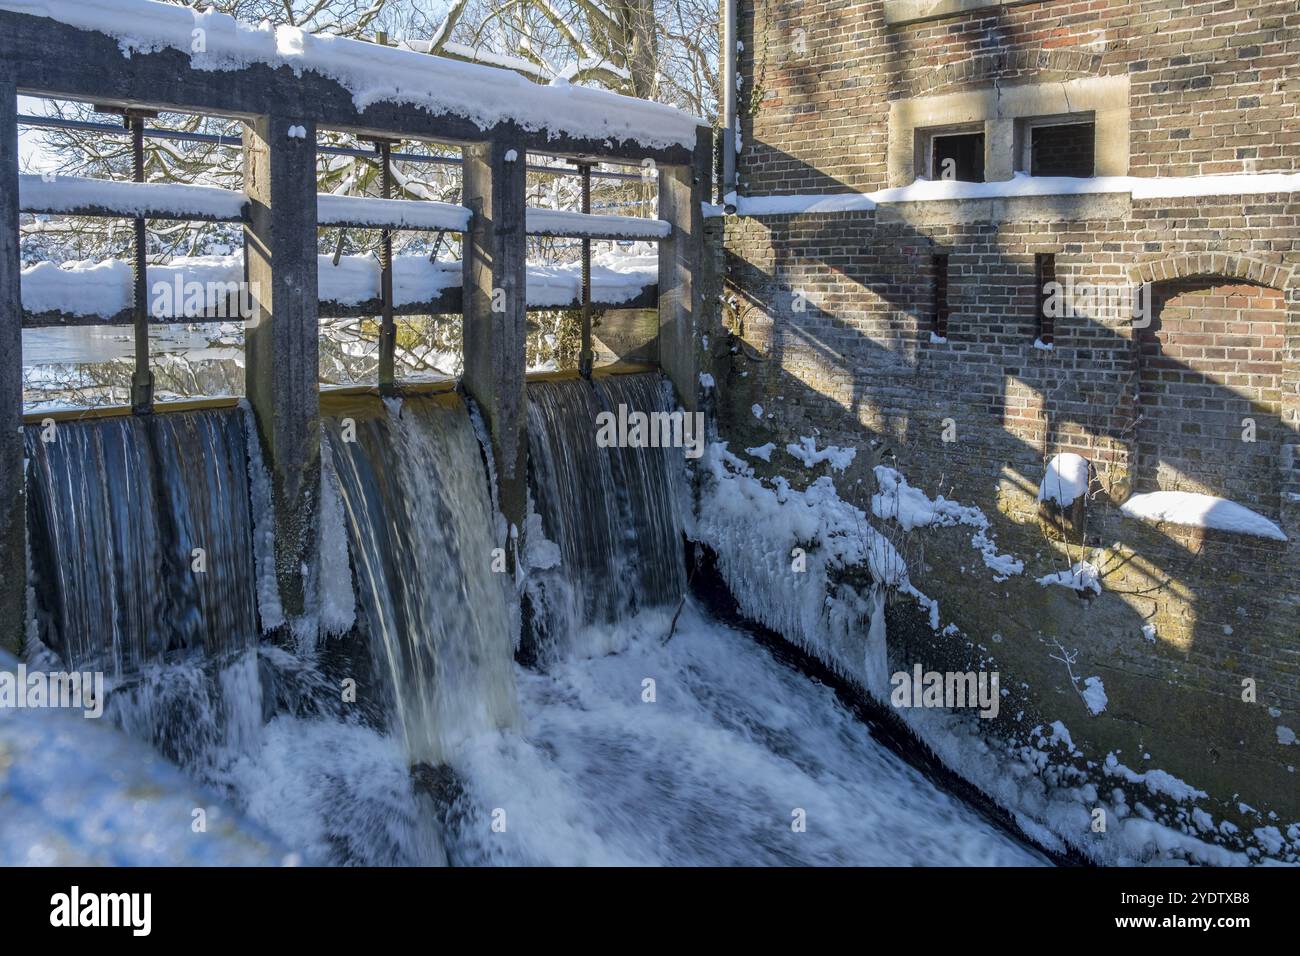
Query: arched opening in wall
[[1210, 391]]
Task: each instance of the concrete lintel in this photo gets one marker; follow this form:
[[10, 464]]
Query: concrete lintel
[[495, 303], [1069, 208], [900, 12], [282, 336]]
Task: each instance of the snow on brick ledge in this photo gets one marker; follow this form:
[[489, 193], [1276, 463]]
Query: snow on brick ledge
[[1201, 511], [71, 194], [373, 73], [334, 210]]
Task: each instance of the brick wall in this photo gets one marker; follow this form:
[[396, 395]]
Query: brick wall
[[837, 310], [1214, 83]]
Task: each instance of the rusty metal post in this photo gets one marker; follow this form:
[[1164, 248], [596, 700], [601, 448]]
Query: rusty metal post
[[142, 377], [387, 324], [586, 358]]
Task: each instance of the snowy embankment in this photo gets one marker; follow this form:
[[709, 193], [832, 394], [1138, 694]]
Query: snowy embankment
[[793, 560], [373, 73], [127, 806], [104, 289]]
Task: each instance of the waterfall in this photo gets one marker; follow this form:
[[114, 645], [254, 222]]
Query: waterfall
[[415, 499], [612, 512], [141, 537]]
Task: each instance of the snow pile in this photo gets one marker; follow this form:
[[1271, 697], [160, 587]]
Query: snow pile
[[1157, 781], [763, 452], [373, 73], [67, 194], [332, 210], [1201, 511], [1094, 695], [1083, 576], [1066, 479], [912, 508], [563, 222], [806, 451]]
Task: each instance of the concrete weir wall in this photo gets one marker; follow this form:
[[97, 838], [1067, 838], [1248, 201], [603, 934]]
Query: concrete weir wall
[[1196, 632]]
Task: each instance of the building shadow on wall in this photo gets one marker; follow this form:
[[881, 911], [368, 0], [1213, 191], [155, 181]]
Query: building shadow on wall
[[855, 309]]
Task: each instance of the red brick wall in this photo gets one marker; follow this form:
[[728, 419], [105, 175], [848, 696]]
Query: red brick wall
[[1211, 360]]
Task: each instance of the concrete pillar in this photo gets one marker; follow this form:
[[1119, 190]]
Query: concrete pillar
[[681, 191], [282, 334], [13, 501], [495, 257]]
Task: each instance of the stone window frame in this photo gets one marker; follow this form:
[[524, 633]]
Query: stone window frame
[[925, 145], [1026, 126], [1002, 110]]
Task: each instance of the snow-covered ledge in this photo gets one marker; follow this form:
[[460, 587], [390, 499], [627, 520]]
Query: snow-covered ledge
[[898, 12], [1020, 186], [1194, 510]]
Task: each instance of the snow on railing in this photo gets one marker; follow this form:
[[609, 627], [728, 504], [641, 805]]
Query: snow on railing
[[76, 195], [102, 291], [556, 222], [363, 211], [373, 73]]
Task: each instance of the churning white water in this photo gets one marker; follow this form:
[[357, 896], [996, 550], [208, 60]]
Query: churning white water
[[619, 748]]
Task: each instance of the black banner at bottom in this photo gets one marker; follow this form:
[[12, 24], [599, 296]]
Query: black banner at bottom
[[335, 906]]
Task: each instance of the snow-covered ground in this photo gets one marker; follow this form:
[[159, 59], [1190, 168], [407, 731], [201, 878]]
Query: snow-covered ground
[[763, 530]]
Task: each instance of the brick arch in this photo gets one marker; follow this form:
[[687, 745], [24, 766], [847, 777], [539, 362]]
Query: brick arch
[[1217, 265], [1006, 65], [1211, 360]]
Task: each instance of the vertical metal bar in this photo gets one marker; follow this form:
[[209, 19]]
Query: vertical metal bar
[[142, 377], [387, 325], [586, 359]]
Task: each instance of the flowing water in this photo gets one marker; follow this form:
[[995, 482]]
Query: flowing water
[[614, 747], [141, 534]]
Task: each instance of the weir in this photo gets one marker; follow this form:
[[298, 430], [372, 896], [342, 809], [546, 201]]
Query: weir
[[409, 625]]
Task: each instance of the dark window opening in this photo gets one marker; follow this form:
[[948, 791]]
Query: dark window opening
[[1045, 275], [1066, 149], [958, 156], [940, 280]]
